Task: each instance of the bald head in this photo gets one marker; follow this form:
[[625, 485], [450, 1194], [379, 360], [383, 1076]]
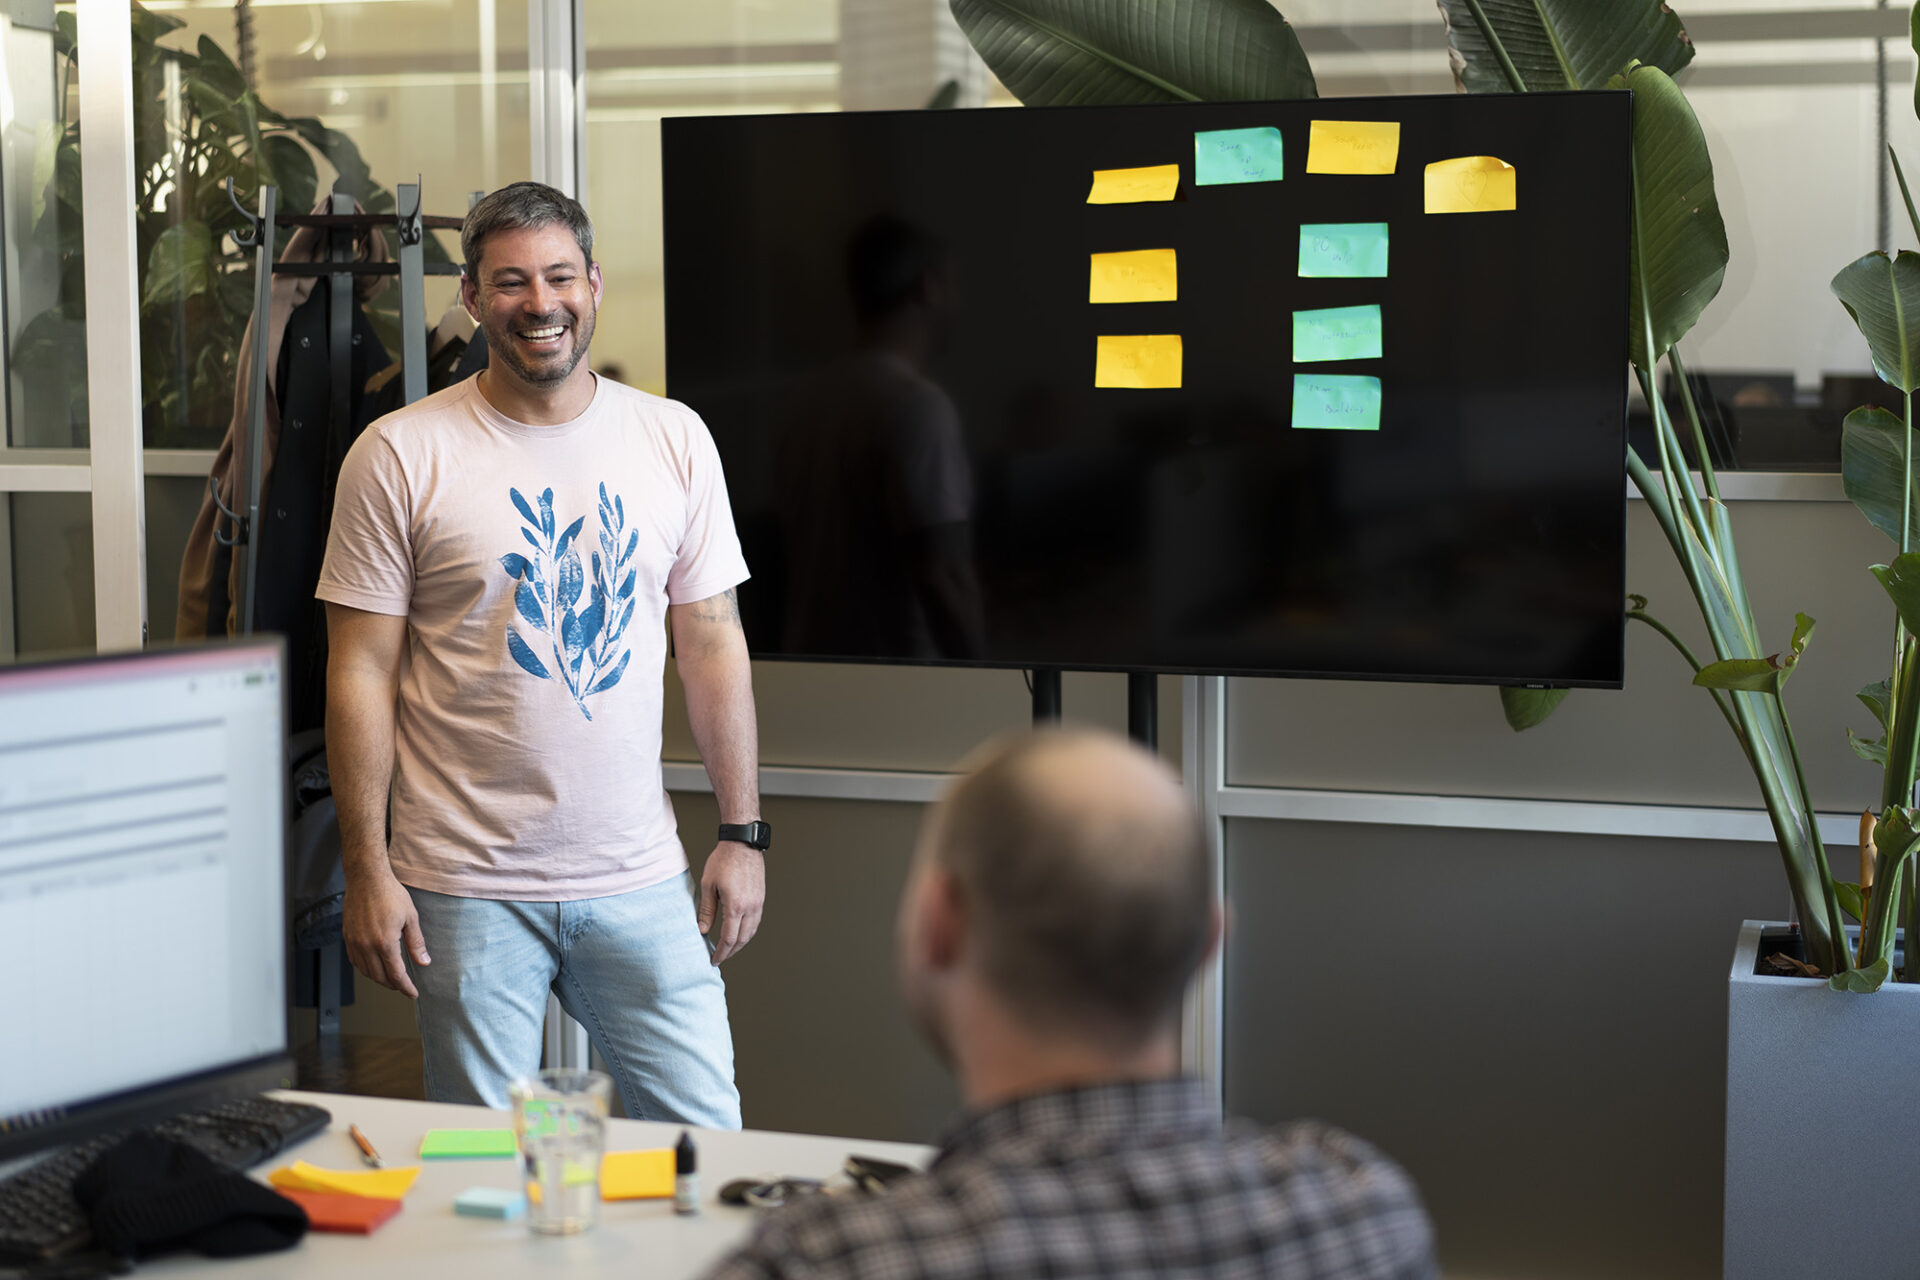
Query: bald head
[[1085, 877]]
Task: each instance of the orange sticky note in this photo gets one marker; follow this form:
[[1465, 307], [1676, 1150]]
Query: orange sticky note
[[1137, 361], [1134, 186], [636, 1175], [350, 1215], [1140, 275], [1471, 184], [1353, 146]]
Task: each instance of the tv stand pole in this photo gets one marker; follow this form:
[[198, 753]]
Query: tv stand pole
[[1143, 708], [1046, 696]]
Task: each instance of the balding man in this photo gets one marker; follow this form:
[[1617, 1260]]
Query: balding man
[[1060, 901]]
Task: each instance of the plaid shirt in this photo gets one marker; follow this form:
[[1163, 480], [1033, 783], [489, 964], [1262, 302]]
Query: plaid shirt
[[1133, 1179]]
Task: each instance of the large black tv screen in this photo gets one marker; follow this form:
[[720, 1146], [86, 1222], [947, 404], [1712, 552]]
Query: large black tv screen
[[1285, 401]]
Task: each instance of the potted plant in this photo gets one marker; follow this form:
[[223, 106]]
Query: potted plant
[[197, 124], [1784, 1031]]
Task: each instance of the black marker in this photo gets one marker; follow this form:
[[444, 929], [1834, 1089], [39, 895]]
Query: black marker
[[686, 1182]]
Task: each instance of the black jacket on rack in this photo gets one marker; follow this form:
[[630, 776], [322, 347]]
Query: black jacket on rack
[[296, 500]]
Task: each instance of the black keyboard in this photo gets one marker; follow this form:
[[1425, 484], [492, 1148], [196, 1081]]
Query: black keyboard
[[39, 1218]]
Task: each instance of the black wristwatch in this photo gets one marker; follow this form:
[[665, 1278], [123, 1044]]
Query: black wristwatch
[[755, 835]]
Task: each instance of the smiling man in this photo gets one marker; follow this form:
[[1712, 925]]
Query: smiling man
[[505, 558]]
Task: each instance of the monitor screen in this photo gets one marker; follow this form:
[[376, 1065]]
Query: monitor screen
[[142, 910], [1297, 405]]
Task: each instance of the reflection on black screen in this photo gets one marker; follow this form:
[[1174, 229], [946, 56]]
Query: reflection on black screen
[[884, 319]]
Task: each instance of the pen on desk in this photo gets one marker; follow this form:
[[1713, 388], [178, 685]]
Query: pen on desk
[[367, 1152]]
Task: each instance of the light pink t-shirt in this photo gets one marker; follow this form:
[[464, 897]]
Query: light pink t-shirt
[[534, 566]]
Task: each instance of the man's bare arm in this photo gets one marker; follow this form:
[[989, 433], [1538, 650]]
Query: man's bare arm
[[363, 677], [710, 651]]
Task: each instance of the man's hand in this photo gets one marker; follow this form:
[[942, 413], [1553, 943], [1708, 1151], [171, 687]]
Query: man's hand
[[733, 892], [378, 920]]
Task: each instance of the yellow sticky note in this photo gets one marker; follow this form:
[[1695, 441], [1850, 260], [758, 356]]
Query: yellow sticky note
[[381, 1184], [1134, 186], [1353, 146], [1472, 184], [636, 1175], [572, 1175], [1139, 275], [1139, 361]]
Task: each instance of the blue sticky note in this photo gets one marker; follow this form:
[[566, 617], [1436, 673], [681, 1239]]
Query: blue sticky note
[[1221, 156], [1325, 402], [490, 1202], [1331, 250], [1337, 333]]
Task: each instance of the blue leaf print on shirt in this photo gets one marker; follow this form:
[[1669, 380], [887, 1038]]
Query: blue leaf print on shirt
[[585, 642]]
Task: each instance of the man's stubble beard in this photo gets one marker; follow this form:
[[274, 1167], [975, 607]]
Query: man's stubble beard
[[508, 351]]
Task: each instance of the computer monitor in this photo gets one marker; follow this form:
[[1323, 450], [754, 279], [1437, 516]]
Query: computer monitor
[[142, 908]]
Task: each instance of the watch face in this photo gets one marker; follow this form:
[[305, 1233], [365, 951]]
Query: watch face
[[757, 835]]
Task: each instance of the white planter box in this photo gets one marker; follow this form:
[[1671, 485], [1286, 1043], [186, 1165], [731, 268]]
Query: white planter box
[[1823, 1126]]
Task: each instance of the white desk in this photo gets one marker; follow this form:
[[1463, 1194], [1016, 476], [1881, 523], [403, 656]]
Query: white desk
[[426, 1239]]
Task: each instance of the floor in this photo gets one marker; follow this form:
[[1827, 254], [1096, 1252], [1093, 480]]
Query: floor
[[373, 1066]]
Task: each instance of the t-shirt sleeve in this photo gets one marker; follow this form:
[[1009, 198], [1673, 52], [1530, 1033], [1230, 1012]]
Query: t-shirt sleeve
[[369, 562], [709, 561]]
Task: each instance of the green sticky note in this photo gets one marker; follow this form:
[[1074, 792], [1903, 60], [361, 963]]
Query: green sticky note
[[1221, 156], [1331, 250], [467, 1144], [1337, 333], [1325, 402]]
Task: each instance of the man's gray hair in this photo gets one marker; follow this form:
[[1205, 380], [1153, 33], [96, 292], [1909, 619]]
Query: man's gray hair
[[522, 206], [1092, 904]]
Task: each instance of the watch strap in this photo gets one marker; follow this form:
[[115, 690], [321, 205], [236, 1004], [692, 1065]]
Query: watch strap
[[756, 835]]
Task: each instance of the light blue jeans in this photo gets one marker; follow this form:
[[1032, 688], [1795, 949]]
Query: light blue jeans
[[633, 969]]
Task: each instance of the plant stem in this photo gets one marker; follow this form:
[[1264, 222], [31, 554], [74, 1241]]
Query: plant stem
[[1641, 615], [1910, 910], [1832, 898], [1693, 419], [1499, 49]]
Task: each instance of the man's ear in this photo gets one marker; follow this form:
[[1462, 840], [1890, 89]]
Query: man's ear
[[943, 920], [470, 297], [599, 284]]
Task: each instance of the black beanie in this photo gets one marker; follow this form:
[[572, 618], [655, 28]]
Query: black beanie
[[148, 1194]]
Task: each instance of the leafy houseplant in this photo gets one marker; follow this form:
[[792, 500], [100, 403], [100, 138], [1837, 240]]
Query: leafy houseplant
[[1050, 52], [197, 124]]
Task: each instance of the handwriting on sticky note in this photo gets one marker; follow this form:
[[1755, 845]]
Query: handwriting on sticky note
[[1353, 146], [1326, 402], [1137, 361], [1134, 186], [1471, 184], [1337, 333], [1343, 249], [1139, 275], [1222, 156]]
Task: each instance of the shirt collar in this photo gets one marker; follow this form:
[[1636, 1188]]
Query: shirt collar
[[1129, 1111]]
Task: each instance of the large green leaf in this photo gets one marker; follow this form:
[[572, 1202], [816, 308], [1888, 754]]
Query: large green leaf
[[1561, 44], [1080, 52], [1526, 708], [1873, 446], [1680, 242], [180, 265], [1902, 581], [1883, 296]]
